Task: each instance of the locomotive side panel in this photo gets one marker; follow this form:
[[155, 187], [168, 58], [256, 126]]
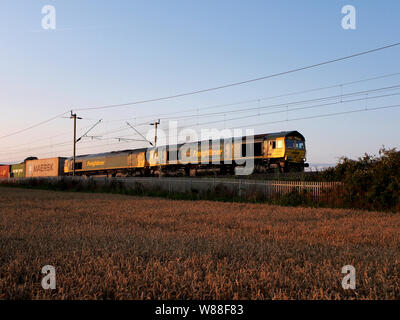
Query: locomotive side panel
[[116, 161], [137, 159]]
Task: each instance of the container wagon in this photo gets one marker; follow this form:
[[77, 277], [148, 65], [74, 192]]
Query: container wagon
[[4, 171], [51, 167], [17, 170]]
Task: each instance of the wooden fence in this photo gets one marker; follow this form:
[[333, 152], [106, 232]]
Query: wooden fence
[[312, 188], [269, 188]]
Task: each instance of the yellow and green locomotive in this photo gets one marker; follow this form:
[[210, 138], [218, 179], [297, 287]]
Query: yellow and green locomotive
[[283, 151]]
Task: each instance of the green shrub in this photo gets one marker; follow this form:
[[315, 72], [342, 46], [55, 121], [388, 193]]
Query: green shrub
[[371, 182]]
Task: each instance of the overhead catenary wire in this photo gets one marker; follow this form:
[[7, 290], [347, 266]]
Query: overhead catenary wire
[[91, 128], [145, 139], [65, 133], [58, 152], [19, 150], [212, 88], [124, 128], [289, 110], [294, 109], [145, 123], [241, 82], [216, 106], [286, 103], [363, 109], [33, 126], [265, 107], [285, 111], [362, 93]]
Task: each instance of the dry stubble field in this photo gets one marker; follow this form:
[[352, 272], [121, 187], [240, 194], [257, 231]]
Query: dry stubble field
[[108, 246]]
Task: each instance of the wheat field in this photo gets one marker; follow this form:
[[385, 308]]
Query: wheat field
[[106, 246]]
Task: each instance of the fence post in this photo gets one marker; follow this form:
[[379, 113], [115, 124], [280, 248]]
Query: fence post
[[265, 188]]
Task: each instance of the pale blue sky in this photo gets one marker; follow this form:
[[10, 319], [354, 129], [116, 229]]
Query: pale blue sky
[[111, 52]]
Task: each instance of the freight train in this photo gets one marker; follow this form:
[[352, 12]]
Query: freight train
[[281, 151], [34, 168]]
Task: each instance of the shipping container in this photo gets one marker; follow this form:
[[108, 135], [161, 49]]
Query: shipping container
[[17, 170], [52, 167], [4, 171]]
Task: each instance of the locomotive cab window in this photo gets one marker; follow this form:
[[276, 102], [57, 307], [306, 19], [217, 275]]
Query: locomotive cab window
[[78, 165], [257, 149], [244, 150], [290, 144], [300, 145]]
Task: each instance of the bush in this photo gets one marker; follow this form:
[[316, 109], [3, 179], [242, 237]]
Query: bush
[[293, 199], [371, 182]]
